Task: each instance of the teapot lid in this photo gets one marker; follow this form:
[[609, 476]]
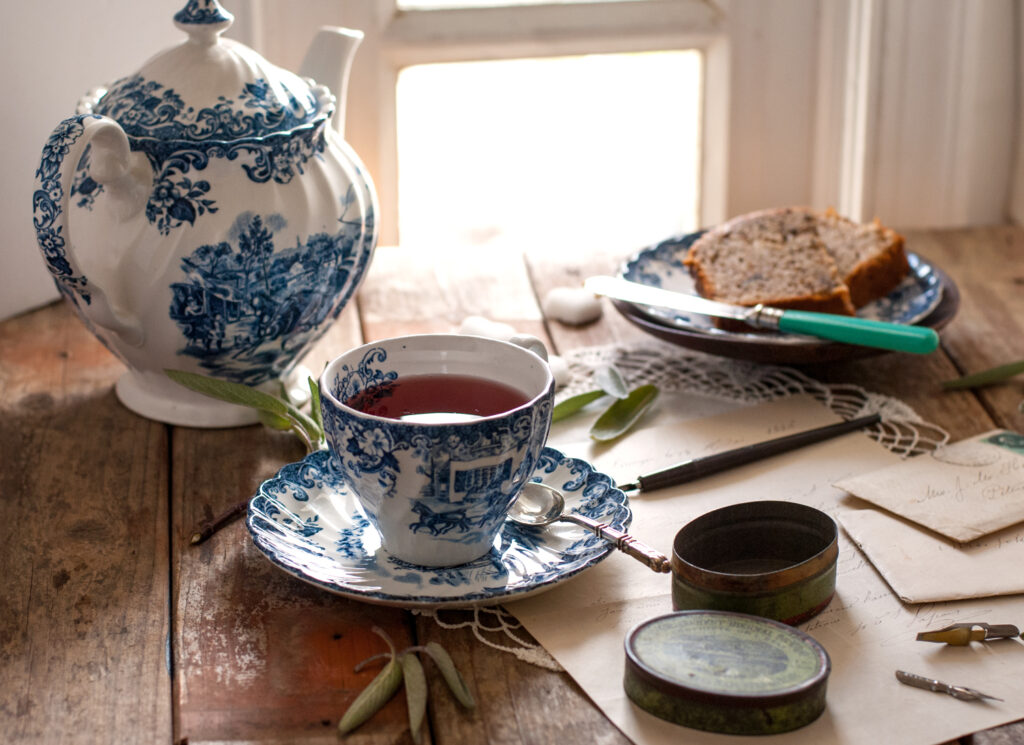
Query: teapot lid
[[210, 88]]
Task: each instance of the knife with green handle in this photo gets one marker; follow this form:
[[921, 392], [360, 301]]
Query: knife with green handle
[[847, 329]]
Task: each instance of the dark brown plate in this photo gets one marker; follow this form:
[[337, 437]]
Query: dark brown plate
[[763, 348]]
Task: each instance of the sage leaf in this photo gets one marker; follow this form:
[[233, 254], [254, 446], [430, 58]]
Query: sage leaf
[[574, 403], [986, 377], [243, 395], [624, 413], [451, 675], [610, 381], [225, 390], [380, 690], [415, 692], [314, 403], [372, 698], [274, 421]]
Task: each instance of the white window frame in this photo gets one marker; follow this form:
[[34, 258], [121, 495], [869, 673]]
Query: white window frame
[[805, 101]]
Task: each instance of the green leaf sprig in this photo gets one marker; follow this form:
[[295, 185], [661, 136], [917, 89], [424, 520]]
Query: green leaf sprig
[[276, 412], [986, 377], [404, 667], [621, 415], [990, 376]]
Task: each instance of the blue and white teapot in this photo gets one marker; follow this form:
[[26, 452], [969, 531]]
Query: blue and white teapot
[[204, 214]]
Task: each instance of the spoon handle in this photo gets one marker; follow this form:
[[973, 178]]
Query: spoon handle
[[624, 542]]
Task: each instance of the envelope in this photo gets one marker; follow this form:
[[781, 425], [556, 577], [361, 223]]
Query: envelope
[[963, 491], [923, 567]]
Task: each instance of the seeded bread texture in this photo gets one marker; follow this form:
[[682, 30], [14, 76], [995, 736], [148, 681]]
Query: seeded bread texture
[[797, 258], [870, 257]]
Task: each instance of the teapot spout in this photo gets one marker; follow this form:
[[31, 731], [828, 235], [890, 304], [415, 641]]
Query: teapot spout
[[328, 61]]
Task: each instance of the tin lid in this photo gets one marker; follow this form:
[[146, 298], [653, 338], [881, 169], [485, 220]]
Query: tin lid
[[702, 664]]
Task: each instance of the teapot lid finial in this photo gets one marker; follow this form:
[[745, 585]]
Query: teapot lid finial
[[203, 19]]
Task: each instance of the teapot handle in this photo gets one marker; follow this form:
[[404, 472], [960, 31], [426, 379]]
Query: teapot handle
[[110, 163]]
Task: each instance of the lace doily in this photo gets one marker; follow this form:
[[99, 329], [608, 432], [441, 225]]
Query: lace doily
[[901, 431]]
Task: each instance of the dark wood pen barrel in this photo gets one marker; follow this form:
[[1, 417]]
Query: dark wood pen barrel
[[700, 467]]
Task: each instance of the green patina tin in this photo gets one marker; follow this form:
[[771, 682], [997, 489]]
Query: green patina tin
[[726, 672], [772, 559]]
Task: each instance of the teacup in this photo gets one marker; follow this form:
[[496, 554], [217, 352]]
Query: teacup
[[435, 434]]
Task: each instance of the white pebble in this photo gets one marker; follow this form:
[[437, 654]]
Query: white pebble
[[560, 370], [480, 326], [572, 305]]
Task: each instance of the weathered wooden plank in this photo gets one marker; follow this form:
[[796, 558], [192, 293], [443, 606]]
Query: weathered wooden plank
[[987, 265], [259, 655], [517, 702], [83, 544], [412, 290], [549, 271]]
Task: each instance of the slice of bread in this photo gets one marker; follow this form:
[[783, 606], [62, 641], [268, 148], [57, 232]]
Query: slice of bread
[[797, 258], [870, 257]]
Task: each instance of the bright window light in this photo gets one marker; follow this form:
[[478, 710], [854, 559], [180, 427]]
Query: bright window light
[[595, 151], [437, 4]]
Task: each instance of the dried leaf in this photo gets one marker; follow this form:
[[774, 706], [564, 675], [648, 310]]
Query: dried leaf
[[610, 381], [372, 698], [451, 675], [624, 413], [986, 377], [415, 692], [574, 403]]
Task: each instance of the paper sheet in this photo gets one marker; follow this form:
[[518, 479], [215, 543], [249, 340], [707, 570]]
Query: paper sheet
[[964, 491], [867, 631]]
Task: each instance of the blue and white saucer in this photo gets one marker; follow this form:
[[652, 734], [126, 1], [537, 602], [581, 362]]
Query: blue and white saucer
[[661, 265], [307, 522]]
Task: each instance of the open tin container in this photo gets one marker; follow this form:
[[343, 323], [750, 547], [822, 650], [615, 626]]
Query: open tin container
[[772, 559]]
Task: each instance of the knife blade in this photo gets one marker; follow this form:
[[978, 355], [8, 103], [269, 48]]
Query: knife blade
[[846, 329]]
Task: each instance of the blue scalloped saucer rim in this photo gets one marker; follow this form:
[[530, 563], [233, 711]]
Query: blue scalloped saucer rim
[[661, 266], [308, 523]]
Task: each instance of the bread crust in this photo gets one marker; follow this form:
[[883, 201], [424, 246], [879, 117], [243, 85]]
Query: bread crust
[[879, 275]]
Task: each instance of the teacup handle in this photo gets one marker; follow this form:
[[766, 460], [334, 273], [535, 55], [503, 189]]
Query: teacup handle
[[624, 542], [532, 343]]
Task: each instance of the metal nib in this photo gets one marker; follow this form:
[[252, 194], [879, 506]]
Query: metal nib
[[930, 684], [962, 634]]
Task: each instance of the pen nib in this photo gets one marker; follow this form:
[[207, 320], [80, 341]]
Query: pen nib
[[962, 634]]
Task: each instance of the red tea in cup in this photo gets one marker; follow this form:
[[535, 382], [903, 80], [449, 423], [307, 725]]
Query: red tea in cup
[[438, 398]]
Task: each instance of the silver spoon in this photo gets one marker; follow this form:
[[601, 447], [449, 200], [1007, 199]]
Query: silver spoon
[[539, 505]]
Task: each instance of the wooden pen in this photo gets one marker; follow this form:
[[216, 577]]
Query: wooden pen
[[697, 468]]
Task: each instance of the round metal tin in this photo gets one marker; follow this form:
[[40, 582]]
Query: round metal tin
[[772, 559], [726, 672]]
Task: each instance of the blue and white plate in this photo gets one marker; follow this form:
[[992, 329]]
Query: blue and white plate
[[307, 522], [661, 265]]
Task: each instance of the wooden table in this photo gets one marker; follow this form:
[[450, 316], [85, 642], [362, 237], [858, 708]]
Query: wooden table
[[114, 629]]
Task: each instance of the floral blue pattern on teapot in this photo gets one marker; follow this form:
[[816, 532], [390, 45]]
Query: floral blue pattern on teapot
[[206, 214]]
